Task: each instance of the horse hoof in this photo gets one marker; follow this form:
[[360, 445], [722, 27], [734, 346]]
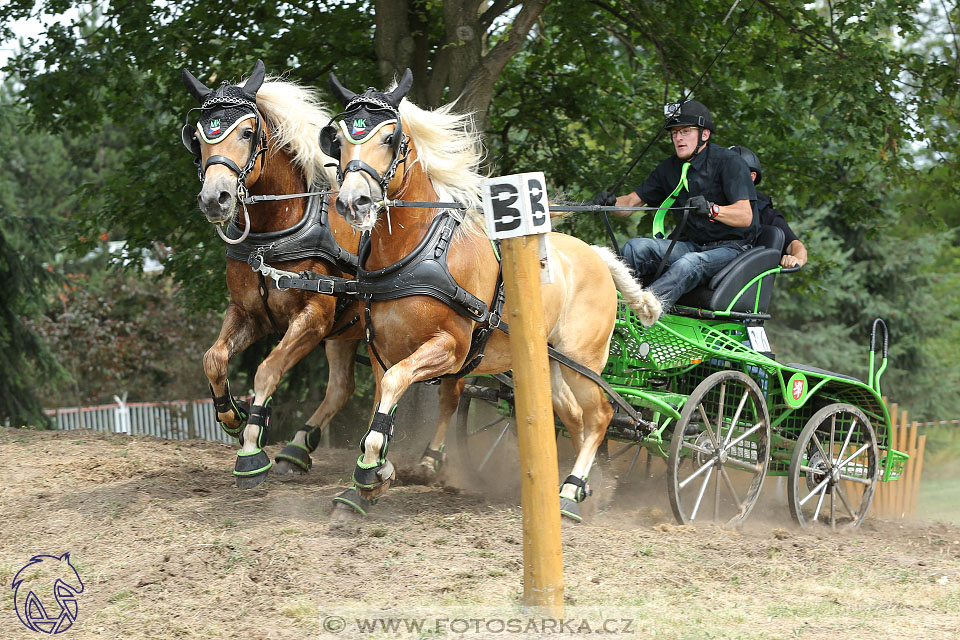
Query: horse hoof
[[342, 513], [250, 482], [293, 460], [570, 509], [287, 468], [251, 469], [349, 505]]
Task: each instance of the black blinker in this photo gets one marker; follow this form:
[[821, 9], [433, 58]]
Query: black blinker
[[328, 141], [189, 138]]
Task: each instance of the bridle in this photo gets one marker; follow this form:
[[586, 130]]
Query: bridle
[[258, 144], [330, 141], [258, 148]]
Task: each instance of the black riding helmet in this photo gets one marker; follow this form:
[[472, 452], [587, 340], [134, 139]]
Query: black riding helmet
[[753, 162], [689, 113]]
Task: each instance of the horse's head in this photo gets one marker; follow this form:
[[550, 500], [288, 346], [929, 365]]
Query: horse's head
[[369, 142], [227, 140]]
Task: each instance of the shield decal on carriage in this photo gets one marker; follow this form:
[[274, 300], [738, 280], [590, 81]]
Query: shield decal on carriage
[[796, 390]]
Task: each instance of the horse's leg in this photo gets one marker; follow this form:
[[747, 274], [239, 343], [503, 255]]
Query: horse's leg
[[301, 337], [295, 457], [581, 402], [237, 332], [449, 397], [350, 505], [434, 357]]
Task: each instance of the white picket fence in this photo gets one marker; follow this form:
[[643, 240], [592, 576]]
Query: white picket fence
[[170, 420]]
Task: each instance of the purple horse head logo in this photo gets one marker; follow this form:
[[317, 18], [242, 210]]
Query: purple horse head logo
[[42, 577]]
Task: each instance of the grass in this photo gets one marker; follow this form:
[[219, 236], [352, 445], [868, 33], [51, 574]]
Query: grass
[[939, 497]]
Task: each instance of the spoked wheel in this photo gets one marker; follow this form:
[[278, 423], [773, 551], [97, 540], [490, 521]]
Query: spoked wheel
[[487, 434], [719, 451], [834, 468]]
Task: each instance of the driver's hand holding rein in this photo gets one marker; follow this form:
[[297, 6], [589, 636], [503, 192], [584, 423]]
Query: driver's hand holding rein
[[716, 183]]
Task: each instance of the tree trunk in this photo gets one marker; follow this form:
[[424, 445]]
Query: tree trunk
[[460, 63]]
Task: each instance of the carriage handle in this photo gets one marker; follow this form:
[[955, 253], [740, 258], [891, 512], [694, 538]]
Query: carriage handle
[[873, 380]]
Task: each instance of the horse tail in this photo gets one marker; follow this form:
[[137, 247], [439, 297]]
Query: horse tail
[[643, 302]]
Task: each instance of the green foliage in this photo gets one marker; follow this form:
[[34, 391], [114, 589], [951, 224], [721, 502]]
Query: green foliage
[[26, 230], [852, 108], [121, 333]]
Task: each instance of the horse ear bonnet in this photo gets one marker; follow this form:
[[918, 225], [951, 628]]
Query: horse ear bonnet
[[364, 115], [221, 110]]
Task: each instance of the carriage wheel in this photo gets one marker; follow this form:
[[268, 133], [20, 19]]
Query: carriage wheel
[[834, 468], [719, 451], [487, 436]]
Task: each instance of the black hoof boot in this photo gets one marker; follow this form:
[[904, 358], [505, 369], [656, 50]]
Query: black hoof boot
[[371, 478], [252, 467], [352, 502], [374, 479], [570, 509], [294, 459]]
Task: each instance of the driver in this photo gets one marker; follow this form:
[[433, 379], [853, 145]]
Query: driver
[[716, 183]]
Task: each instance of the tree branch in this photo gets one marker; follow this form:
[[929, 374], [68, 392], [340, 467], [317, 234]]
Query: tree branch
[[494, 10]]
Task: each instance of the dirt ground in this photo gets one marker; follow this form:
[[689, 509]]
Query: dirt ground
[[168, 548]]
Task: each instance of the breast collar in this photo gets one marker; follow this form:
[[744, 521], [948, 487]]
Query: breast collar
[[424, 272], [311, 237]]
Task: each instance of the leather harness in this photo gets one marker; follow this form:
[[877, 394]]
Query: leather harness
[[423, 272], [310, 237]]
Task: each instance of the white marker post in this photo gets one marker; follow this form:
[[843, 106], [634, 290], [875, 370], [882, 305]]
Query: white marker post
[[515, 208]]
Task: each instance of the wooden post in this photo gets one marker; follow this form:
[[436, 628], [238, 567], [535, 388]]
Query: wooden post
[[886, 506], [901, 446], [915, 479], [542, 555], [906, 480]]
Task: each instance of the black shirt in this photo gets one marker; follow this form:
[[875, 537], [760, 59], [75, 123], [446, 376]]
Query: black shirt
[[774, 218], [720, 176]]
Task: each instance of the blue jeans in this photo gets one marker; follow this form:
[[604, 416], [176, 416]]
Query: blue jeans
[[689, 264]]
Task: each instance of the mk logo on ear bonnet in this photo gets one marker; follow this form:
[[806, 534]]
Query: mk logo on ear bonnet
[[221, 112]]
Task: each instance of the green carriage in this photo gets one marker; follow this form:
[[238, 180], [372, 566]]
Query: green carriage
[[722, 412]]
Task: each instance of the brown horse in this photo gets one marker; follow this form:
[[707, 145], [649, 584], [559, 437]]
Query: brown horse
[[261, 139], [391, 149]]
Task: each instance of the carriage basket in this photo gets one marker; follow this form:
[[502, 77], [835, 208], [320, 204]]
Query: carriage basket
[[894, 464], [672, 343]]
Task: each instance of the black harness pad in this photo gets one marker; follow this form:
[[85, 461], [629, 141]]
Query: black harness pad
[[311, 237], [424, 272]]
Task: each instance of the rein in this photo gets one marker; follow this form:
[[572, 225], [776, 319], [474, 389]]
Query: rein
[[587, 208], [288, 196]]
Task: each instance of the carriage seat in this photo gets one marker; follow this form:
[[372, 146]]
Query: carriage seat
[[808, 369], [721, 289]]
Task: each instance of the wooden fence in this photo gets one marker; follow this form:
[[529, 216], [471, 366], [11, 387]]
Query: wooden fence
[[170, 420], [898, 500]]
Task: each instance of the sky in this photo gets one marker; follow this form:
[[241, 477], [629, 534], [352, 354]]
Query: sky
[[25, 29]]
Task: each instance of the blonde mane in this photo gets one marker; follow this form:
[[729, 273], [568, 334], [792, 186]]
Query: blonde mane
[[450, 150], [296, 114]]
